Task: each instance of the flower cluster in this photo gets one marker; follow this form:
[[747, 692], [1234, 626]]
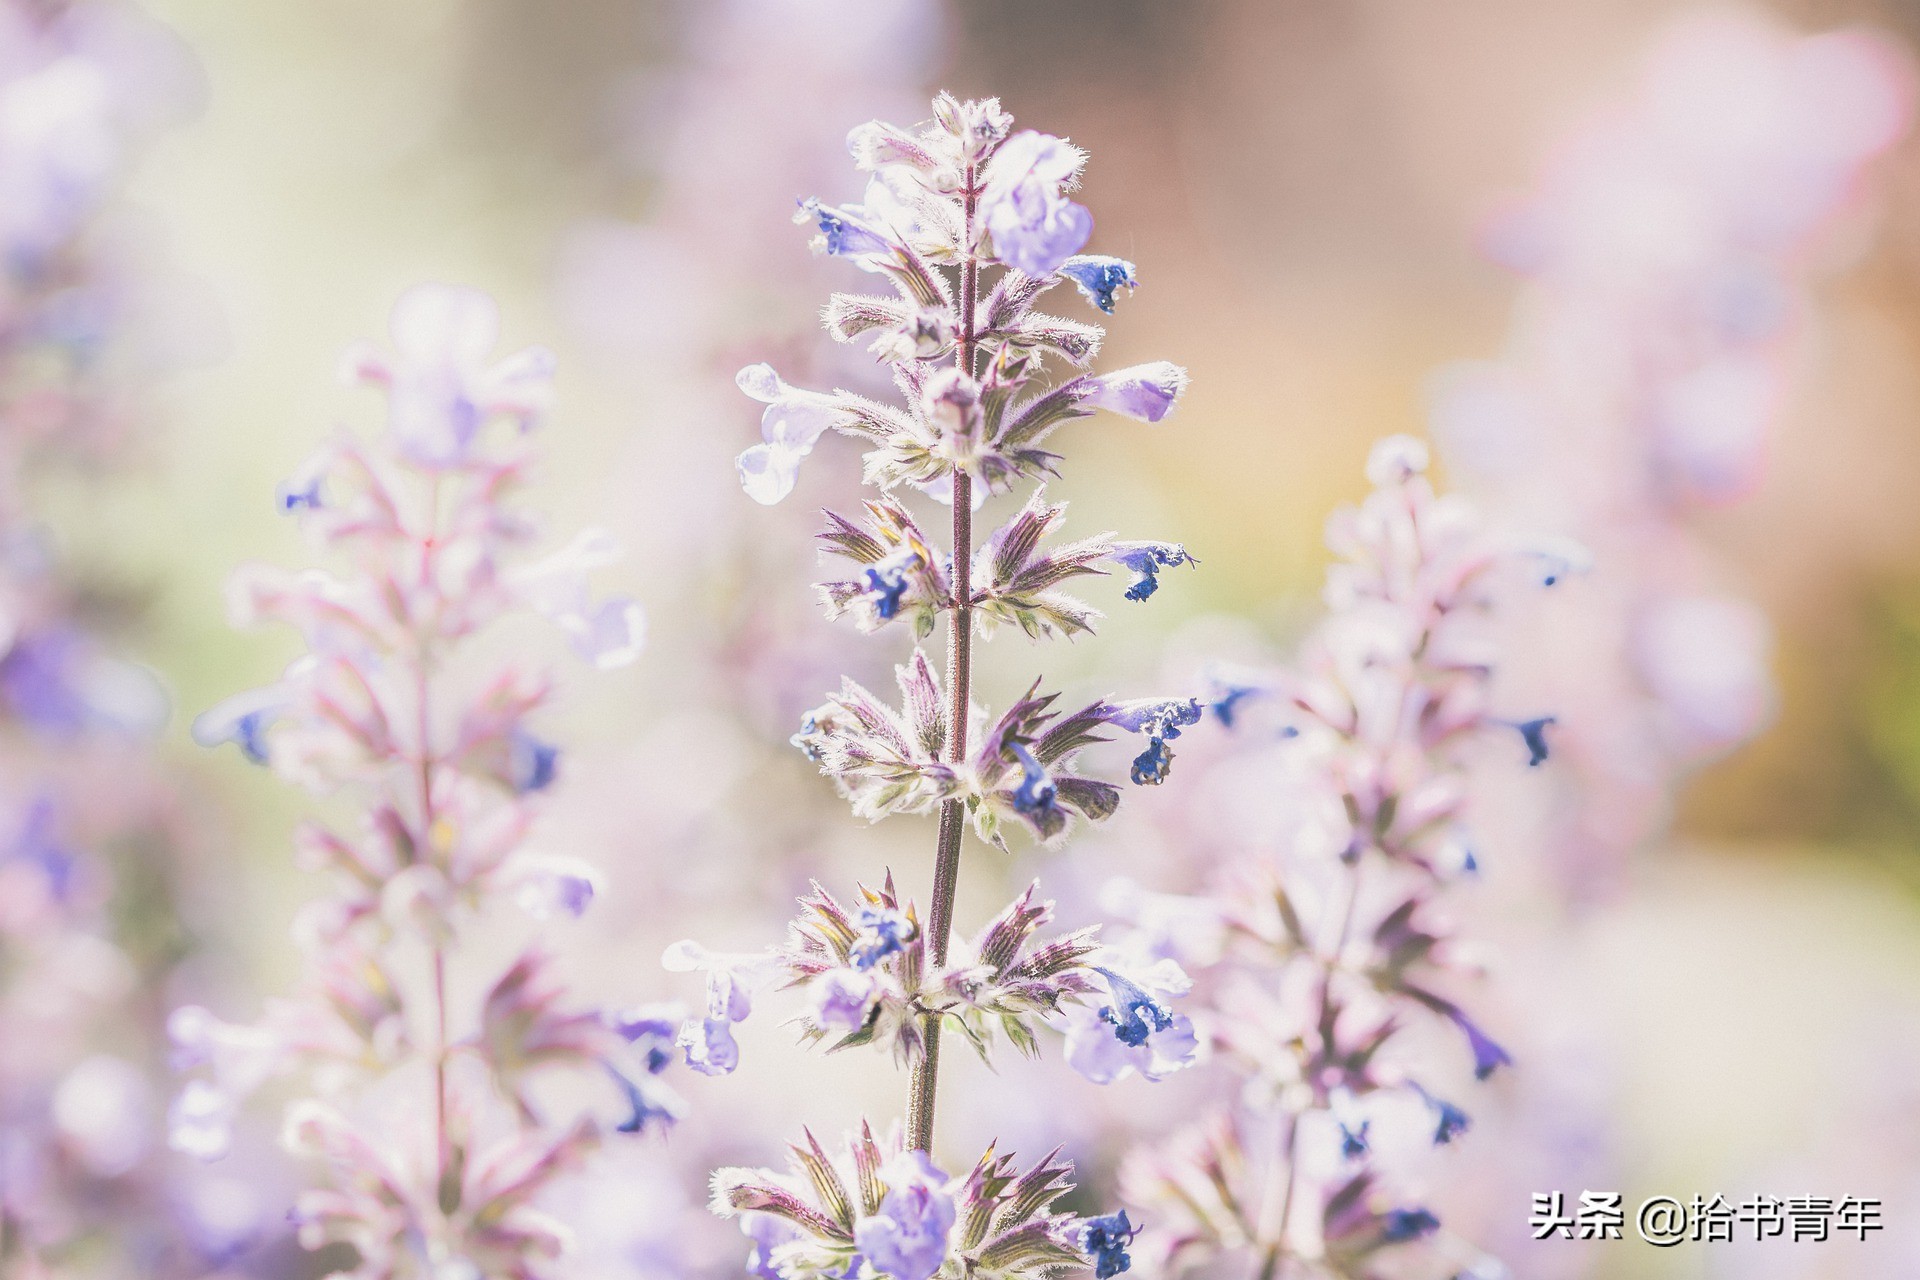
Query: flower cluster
[[948, 205], [81, 88], [1651, 354], [886, 1209], [1315, 958], [431, 1122]]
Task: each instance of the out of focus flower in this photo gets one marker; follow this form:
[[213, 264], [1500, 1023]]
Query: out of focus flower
[[1035, 228], [447, 772]]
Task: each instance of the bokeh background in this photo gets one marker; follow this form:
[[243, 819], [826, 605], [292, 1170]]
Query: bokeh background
[[1304, 185]]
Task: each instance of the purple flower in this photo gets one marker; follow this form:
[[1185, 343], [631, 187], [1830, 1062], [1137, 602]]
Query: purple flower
[[547, 885], [1161, 720], [708, 1041], [1135, 1030], [441, 389], [1097, 277], [300, 491], [792, 424], [847, 232], [883, 932], [58, 681], [650, 1105], [768, 1232], [1106, 1239], [1035, 228], [608, 633], [1397, 1226], [651, 1029], [890, 580], [1226, 701], [1449, 1121], [1145, 560], [244, 719], [1036, 795], [531, 763], [907, 1238], [1143, 391], [1488, 1056], [842, 997], [1534, 734]]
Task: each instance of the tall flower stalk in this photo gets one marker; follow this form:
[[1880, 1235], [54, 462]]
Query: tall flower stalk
[[971, 225], [435, 1116], [1665, 250], [87, 871], [1321, 964]]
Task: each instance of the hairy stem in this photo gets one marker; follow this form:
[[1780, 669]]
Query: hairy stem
[[924, 1084]]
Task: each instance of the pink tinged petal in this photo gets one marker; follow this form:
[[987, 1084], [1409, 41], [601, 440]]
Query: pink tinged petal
[[366, 365]]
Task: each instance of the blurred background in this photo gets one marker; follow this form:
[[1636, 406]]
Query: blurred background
[[1306, 188]]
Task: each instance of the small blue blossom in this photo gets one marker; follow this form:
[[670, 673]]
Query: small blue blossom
[[1134, 1015], [1150, 766], [244, 720], [1161, 719], [1036, 794], [651, 1030], [1449, 1121], [806, 739], [889, 581], [1488, 1056], [1534, 734], [1145, 560], [300, 493], [1397, 1226], [708, 1041], [650, 1106], [1558, 559], [1353, 1142], [1098, 276], [1225, 704], [844, 232], [883, 932], [1135, 1030], [531, 763], [1105, 1239]]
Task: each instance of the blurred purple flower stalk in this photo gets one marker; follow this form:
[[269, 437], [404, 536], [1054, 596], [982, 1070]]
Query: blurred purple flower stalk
[[1312, 959], [436, 1118], [81, 88], [947, 205], [1665, 252]]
